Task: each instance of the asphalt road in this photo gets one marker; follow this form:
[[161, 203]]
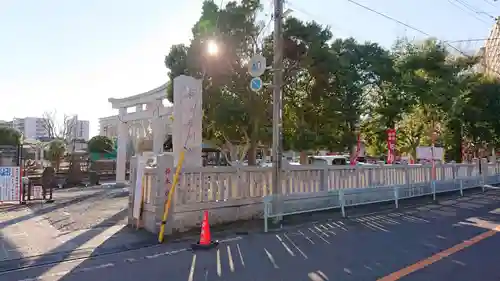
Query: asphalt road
[[453, 240]]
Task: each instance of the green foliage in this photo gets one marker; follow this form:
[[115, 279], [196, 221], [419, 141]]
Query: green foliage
[[100, 144], [56, 151], [332, 87], [9, 136]]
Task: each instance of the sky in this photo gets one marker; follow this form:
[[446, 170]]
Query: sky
[[72, 55]]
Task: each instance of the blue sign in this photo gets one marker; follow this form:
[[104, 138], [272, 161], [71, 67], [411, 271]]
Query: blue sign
[[5, 172], [257, 65], [256, 84]]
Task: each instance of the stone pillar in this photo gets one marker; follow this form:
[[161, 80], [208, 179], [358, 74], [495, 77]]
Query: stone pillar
[[42, 155], [137, 126], [187, 120], [158, 128], [37, 155], [133, 179], [121, 155], [159, 191]]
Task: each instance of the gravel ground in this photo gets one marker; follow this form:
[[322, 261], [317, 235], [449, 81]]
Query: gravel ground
[[85, 208]]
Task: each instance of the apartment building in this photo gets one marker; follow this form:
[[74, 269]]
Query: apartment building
[[34, 128], [108, 126], [78, 129], [30, 127], [4, 123], [490, 53]]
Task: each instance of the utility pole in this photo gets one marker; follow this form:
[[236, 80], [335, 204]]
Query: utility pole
[[277, 103]]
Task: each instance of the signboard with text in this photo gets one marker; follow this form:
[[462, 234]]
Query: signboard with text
[[391, 145], [10, 184]]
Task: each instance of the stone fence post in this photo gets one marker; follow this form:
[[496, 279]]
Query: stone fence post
[[131, 188], [153, 214]]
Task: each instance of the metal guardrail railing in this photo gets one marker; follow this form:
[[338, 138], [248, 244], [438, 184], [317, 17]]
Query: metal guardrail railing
[[351, 197]]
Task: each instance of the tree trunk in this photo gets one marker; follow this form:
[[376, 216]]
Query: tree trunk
[[456, 142], [252, 153], [303, 158]]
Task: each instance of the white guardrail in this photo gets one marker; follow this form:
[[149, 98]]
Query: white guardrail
[[377, 184]]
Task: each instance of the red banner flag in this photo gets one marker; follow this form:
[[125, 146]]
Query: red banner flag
[[391, 145]]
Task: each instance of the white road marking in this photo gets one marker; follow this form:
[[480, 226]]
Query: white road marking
[[307, 237], [191, 270], [295, 245], [285, 246], [271, 258], [219, 266], [230, 258], [241, 255]]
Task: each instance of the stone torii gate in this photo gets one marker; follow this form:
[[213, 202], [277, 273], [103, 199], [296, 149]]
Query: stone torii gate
[[185, 126]]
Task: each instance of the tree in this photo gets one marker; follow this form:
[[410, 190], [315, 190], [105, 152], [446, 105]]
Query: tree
[[100, 144], [56, 151], [332, 87], [58, 130], [9, 136], [478, 114], [413, 131], [233, 114], [425, 94]]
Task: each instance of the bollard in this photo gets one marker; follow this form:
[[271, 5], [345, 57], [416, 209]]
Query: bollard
[[396, 196], [342, 202], [433, 185], [461, 187]]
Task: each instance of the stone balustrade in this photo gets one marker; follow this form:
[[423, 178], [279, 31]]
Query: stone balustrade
[[236, 193]]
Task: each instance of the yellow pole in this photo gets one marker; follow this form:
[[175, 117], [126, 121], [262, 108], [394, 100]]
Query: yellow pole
[[169, 198], [142, 201]]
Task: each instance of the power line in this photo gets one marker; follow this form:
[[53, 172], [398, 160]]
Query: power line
[[473, 9], [265, 27], [390, 18], [472, 40], [416, 29], [470, 13], [489, 3], [294, 7]]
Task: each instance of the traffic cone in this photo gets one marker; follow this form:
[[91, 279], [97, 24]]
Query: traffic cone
[[205, 241]]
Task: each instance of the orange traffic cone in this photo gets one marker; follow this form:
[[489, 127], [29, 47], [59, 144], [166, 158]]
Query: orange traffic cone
[[205, 237]]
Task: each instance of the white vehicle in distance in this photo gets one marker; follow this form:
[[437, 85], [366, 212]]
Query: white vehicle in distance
[[328, 160]]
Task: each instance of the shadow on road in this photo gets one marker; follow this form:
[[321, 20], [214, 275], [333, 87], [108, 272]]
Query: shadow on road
[[120, 239], [52, 207], [8, 250]]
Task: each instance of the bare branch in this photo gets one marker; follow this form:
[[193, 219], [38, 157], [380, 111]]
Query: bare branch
[[68, 128], [48, 123], [56, 130]]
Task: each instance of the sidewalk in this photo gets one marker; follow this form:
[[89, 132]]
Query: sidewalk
[[76, 225], [23, 234]]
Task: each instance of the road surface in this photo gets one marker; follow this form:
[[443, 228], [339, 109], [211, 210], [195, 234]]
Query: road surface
[[453, 240]]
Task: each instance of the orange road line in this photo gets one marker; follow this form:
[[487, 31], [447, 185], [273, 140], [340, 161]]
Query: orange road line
[[437, 257]]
